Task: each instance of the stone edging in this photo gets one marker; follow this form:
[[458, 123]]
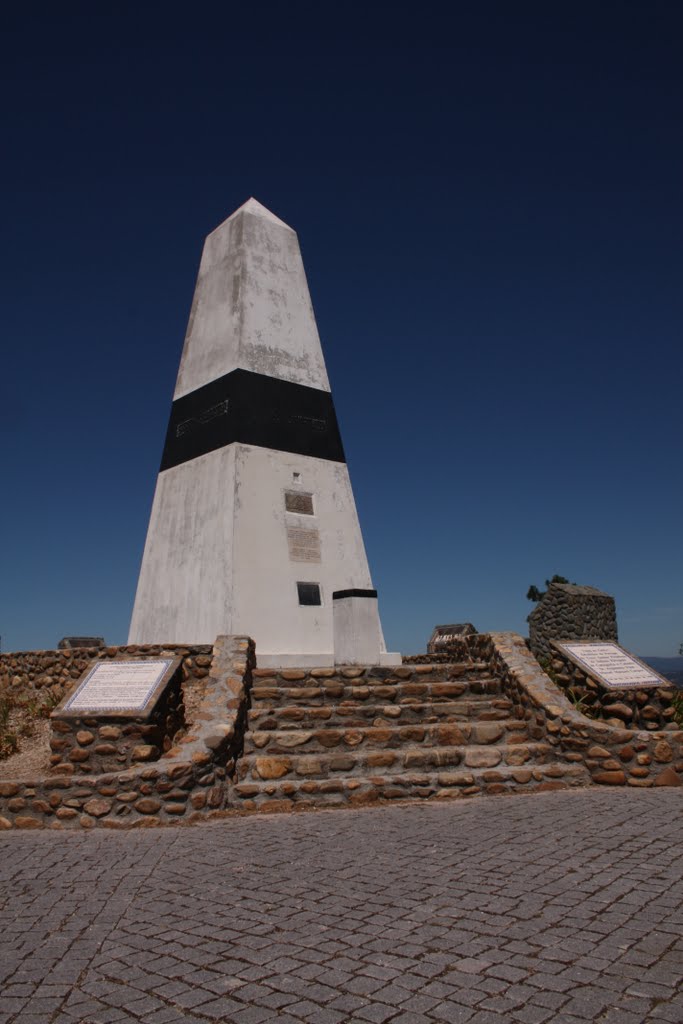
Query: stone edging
[[189, 782]]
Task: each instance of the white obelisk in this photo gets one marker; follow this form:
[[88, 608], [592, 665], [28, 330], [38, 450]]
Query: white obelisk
[[254, 527]]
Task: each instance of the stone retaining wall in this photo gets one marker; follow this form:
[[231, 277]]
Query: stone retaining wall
[[614, 756], [111, 742], [192, 780], [48, 676], [650, 708]]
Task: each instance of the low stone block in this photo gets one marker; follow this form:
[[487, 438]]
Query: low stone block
[[309, 766], [175, 809], [97, 808], [78, 756], [341, 763], [273, 767], [610, 778], [668, 777], [620, 711], [663, 752], [380, 759], [275, 806], [485, 758], [294, 738], [147, 805], [486, 732], [144, 752]]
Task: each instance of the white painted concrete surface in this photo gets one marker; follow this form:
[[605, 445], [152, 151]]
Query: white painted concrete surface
[[356, 631], [217, 559], [251, 308], [184, 591], [223, 556]]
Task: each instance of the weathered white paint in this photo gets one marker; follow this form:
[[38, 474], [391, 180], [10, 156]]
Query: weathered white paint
[[356, 631], [265, 577], [251, 308], [184, 591], [218, 558]]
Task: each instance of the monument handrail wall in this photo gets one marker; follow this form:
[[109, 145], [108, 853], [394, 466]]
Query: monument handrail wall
[[189, 782], [614, 756]]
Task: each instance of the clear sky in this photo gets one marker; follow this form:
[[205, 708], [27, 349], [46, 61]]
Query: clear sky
[[488, 199]]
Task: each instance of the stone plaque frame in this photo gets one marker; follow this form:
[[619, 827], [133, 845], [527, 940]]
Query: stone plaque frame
[[585, 666], [448, 634], [167, 670], [299, 503]]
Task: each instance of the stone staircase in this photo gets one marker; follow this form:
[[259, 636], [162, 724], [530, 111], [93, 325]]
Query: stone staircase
[[347, 736]]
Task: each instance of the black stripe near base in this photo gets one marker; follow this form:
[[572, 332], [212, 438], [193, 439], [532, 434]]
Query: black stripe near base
[[338, 594], [252, 408]]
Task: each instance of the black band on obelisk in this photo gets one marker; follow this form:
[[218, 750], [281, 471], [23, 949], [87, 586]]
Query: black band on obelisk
[[252, 408]]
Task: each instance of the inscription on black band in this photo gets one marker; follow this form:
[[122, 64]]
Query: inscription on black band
[[252, 408]]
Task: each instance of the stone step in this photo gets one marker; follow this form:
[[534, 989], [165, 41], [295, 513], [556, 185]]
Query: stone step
[[371, 675], [266, 767], [435, 785], [386, 737], [479, 708], [333, 692]]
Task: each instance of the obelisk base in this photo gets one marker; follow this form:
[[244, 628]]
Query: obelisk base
[[357, 630]]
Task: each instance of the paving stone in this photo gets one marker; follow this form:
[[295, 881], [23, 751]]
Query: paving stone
[[348, 1003], [365, 985], [217, 1009], [533, 1015], [461, 912], [251, 1015], [325, 1016], [377, 1013], [452, 1013]]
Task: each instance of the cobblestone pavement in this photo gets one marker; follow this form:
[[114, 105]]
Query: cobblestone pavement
[[562, 907]]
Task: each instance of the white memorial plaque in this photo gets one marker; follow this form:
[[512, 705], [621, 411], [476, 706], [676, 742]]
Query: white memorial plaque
[[611, 665], [118, 686], [304, 544]]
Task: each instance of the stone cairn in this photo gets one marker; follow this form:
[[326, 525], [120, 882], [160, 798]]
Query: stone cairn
[[570, 612]]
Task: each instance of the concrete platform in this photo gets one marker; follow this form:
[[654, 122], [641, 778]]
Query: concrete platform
[[564, 907]]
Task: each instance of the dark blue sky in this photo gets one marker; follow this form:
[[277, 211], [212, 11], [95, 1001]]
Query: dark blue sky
[[488, 199]]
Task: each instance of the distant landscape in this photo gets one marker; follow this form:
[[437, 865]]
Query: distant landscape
[[670, 668]]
